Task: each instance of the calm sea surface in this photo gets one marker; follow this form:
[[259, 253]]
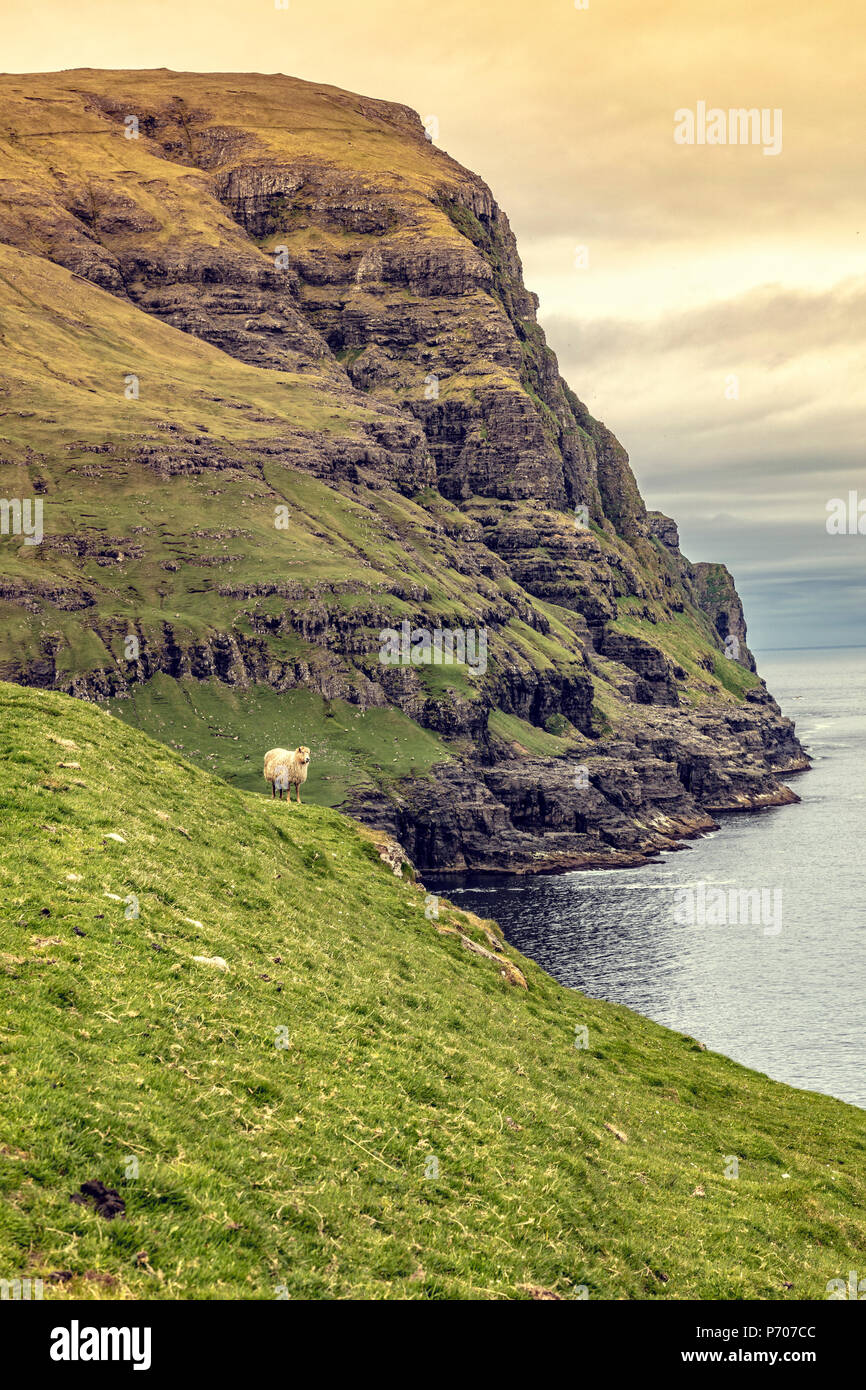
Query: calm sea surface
[[791, 1004]]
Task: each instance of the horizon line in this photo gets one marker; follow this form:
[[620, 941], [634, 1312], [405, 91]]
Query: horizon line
[[836, 647]]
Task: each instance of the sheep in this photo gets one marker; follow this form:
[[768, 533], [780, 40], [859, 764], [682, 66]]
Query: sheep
[[286, 770]]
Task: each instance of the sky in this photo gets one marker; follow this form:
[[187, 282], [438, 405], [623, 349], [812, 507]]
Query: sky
[[706, 299]]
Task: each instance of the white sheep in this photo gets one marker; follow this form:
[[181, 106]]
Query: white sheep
[[286, 770]]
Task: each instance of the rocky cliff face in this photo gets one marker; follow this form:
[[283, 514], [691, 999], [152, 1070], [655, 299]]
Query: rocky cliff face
[[281, 388]]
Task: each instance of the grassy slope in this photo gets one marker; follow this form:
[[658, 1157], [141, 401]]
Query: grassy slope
[[69, 346], [215, 726], [287, 114], [305, 1166]]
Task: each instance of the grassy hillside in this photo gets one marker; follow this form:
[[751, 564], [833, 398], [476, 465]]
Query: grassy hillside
[[216, 727], [310, 1167]]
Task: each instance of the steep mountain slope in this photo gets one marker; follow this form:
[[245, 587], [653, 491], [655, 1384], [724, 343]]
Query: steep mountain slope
[[367, 1102], [271, 369]]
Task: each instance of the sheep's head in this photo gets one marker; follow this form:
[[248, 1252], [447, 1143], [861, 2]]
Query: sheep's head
[[304, 755]]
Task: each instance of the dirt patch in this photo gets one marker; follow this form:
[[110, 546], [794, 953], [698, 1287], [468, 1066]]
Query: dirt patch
[[107, 1202], [63, 1276]]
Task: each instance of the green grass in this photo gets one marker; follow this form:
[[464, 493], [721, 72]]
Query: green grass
[[71, 346], [684, 638], [216, 727], [540, 742], [304, 1166]]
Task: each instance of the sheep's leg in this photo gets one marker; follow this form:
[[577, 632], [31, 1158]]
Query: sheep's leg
[[298, 790], [273, 790]]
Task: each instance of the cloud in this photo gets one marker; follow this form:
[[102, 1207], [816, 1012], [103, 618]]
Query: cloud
[[770, 327]]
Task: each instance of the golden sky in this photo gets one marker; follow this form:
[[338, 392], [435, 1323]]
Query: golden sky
[[703, 261]]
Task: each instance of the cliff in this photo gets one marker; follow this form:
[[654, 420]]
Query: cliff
[[273, 374]]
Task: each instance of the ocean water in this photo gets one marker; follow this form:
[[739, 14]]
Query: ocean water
[[783, 991]]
